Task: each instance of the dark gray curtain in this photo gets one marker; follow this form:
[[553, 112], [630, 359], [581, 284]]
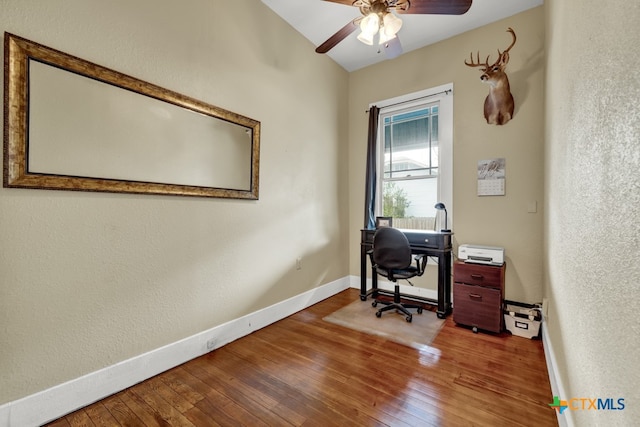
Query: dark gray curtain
[[370, 191]]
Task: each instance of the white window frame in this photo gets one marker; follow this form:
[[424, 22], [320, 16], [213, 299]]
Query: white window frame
[[444, 96]]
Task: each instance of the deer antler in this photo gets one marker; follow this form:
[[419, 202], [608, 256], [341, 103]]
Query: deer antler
[[478, 64], [513, 34], [503, 57]]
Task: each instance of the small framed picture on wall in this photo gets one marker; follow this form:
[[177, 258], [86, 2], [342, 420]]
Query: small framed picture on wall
[[383, 221]]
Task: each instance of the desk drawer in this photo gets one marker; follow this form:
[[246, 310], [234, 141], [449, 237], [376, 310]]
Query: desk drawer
[[477, 274], [477, 306]]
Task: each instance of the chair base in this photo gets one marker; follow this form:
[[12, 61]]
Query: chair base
[[400, 307]]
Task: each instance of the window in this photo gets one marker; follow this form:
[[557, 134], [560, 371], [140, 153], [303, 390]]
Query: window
[[414, 154]]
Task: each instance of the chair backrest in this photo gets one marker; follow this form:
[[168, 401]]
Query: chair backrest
[[391, 249]]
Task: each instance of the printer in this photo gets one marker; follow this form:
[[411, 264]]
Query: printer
[[489, 255]]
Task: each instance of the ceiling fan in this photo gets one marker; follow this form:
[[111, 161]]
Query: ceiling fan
[[378, 21]]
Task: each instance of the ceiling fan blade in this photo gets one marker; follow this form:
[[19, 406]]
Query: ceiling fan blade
[[437, 7], [393, 48], [337, 37], [347, 2]]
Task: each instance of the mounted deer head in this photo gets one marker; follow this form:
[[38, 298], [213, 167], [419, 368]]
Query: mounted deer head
[[498, 106]]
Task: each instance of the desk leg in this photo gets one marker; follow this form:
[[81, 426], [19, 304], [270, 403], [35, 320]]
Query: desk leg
[[374, 283], [363, 273], [444, 285]]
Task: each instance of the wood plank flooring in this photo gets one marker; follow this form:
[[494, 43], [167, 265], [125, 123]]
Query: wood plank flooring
[[303, 371]]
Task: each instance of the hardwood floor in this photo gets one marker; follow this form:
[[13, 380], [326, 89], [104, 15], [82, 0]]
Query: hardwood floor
[[304, 371]]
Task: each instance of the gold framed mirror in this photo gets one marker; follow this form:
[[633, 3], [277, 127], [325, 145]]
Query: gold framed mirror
[[70, 124]]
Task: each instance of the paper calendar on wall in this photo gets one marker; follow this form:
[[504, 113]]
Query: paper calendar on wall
[[491, 177]]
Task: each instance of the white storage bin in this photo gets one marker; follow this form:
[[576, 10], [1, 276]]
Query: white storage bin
[[522, 320]]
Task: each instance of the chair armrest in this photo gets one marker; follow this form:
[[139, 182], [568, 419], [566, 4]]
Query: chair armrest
[[421, 263]]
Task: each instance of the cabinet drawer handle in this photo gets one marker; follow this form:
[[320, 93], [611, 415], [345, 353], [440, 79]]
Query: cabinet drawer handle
[[476, 297], [477, 276]]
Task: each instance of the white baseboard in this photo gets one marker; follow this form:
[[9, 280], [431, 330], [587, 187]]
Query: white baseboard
[[557, 389], [50, 404]]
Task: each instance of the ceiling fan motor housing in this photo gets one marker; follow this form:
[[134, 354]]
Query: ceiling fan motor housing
[[380, 7]]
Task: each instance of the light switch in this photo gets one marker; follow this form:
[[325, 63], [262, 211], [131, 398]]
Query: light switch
[[532, 207]]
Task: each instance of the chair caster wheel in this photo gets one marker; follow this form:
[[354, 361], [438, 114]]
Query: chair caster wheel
[[363, 298], [420, 310], [374, 304], [409, 319], [378, 314]]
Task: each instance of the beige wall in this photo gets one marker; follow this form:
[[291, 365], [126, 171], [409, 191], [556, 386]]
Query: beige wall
[[496, 221], [89, 279], [592, 224]]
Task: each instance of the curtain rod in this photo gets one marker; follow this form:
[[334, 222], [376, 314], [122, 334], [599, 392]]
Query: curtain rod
[[446, 92]]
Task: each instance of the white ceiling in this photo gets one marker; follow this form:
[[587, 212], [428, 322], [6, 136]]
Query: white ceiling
[[318, 20]]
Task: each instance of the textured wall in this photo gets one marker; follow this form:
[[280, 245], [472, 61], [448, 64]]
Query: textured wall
[[90, 279], [496, 220], [593, 199]]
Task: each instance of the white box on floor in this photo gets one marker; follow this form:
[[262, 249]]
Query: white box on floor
[[522, 320]]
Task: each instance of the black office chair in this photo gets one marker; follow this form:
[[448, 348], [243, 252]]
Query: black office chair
[[391, 258]]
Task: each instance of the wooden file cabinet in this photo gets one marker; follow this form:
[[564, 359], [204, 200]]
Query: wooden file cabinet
[[478, 294]]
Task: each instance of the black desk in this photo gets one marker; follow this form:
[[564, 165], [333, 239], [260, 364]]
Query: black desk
[[432, 243]]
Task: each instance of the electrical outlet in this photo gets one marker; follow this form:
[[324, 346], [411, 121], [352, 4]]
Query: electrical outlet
[[298, 263], [545, 307], [211, 344]]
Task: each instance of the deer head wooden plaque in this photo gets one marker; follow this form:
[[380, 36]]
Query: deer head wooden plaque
[[499, 104]]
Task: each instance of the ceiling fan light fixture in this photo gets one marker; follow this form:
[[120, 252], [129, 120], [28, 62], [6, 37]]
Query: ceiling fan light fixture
[[366, 38], [384, 37], [370, 24], [386, 24], [391, 24]]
